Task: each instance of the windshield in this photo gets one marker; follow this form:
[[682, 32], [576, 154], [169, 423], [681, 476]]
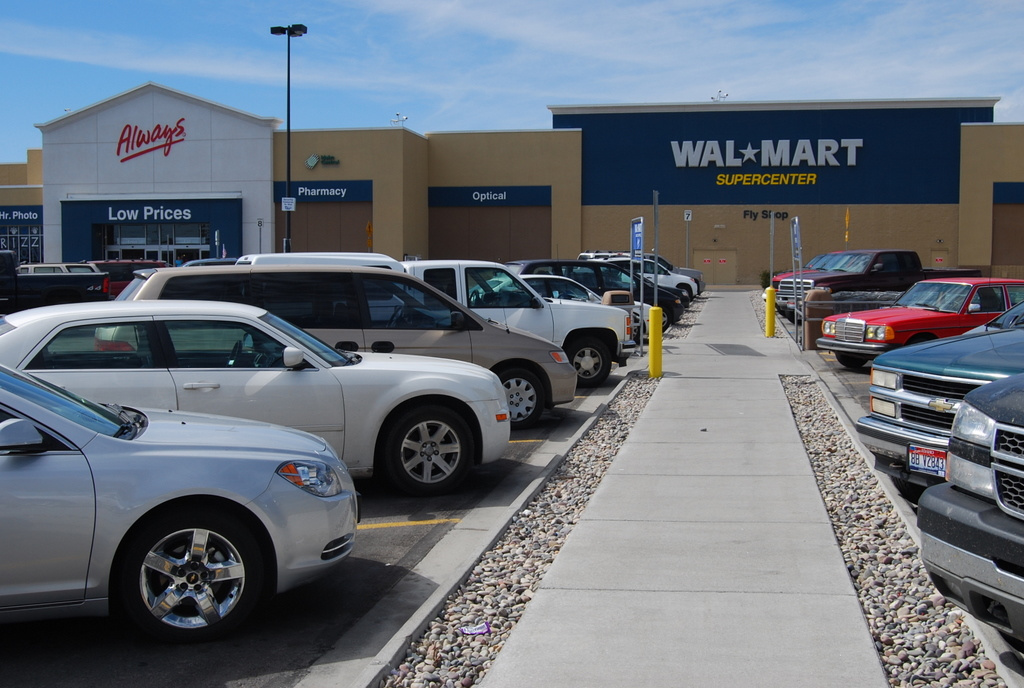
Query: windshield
[[1011, 318], [332, 356], [851, 262], [74, 408], [824, 261], [939, 296]]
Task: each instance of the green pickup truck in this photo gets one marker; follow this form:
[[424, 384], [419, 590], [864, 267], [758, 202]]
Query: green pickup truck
[[915, 393]]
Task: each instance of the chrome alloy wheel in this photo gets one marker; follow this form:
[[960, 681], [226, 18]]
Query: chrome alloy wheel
[[431, 451], [192, 578]]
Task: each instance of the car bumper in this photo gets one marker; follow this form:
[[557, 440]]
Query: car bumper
[[494, 434], [311, 534], [562, 378], [974, 552], [866, 349], [626, 349], [890, 444]]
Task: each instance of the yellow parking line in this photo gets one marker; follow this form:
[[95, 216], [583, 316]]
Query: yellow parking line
[[522, 441], [400, 524]]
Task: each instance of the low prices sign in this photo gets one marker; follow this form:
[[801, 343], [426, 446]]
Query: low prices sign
[[135, 141]]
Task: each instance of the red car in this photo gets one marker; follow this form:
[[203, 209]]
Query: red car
[[928, 310]]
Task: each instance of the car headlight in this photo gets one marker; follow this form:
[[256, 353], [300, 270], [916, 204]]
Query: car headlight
[[314, 477], [882, 407], [828, 328], [881, 333], [884, 378], [971, 425]]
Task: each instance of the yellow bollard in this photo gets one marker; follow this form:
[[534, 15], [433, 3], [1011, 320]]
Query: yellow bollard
[[769, 312], [654, 343]]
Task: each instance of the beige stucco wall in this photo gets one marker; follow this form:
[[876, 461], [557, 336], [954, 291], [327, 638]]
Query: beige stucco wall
[[518, 158], [923, 228], [394, 159], [989, 153]]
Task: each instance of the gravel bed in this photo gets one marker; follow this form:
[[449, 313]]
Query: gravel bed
[[922, 639]]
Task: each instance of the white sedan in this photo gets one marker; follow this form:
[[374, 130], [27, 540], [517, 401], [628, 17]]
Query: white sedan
[[422, 421]]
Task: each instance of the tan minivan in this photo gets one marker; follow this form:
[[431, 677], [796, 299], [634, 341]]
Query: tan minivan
[[372, 309]]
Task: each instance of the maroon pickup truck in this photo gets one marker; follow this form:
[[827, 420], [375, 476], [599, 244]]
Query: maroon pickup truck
[[889, 270]]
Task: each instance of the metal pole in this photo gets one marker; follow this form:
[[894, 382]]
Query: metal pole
[[287, 247]]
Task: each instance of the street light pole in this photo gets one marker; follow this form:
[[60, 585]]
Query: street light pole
[[288, 31]]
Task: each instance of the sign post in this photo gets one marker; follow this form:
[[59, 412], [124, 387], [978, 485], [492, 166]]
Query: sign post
[[798, 280], [636, 245], [687, 216]]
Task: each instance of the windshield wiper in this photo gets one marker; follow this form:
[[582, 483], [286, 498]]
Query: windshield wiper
[[130, 422]]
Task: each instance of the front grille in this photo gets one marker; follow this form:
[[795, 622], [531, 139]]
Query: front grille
[[850, 330], [933, 387], [1010, 442], [1010, 488], [927, 416], [787, 287]]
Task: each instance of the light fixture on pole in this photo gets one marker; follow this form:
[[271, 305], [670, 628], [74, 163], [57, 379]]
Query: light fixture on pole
[[288, 202]]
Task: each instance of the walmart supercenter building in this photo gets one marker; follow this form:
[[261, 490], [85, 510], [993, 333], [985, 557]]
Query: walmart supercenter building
[[157, 173]]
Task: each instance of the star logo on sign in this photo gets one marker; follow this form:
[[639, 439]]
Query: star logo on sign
[[750, 153]]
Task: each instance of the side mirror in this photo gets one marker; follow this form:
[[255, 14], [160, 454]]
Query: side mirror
[[18, 434], [458, 320], [974, 308], [292, 357]]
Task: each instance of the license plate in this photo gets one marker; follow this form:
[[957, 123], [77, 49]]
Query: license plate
[[925, 460]]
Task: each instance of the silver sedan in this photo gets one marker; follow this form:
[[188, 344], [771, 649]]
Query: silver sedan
[[183, 521]]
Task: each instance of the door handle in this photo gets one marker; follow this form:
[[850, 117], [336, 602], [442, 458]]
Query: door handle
[[347, 345], [382, 347], [201, 385]]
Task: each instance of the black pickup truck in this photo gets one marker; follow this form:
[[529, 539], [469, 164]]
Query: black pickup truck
[[21, 291], [866, 270]]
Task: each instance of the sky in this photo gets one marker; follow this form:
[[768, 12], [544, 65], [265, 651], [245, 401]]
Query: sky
[[464, 65]]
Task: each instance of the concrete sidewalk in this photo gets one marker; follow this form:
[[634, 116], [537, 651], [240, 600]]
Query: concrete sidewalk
[[706, 557]]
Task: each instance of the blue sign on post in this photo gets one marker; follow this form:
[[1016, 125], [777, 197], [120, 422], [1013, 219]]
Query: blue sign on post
[[637, 236]]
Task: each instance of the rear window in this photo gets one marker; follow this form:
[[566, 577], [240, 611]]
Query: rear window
[[310, 300], [205, 287]]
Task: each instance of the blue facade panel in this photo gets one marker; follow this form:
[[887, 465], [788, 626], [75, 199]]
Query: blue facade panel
[[468, 196], [813, 156], [349, 191], [79, 240], [1008, 192]]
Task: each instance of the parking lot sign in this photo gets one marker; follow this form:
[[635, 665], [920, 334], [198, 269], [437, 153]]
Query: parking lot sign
[[637, 235]]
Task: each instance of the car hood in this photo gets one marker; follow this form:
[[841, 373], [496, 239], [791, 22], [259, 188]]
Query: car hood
[[1002, 400], [893, 316], [983, 356], [396, 366], [212, 431]]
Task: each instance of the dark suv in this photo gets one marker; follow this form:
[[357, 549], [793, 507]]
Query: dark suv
[[600, 276], [972, 527]]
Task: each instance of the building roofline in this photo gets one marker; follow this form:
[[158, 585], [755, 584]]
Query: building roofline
[[754, 106], [153, 86]]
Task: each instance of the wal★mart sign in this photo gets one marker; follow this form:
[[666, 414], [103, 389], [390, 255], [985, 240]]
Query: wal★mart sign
[[781, 153]]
